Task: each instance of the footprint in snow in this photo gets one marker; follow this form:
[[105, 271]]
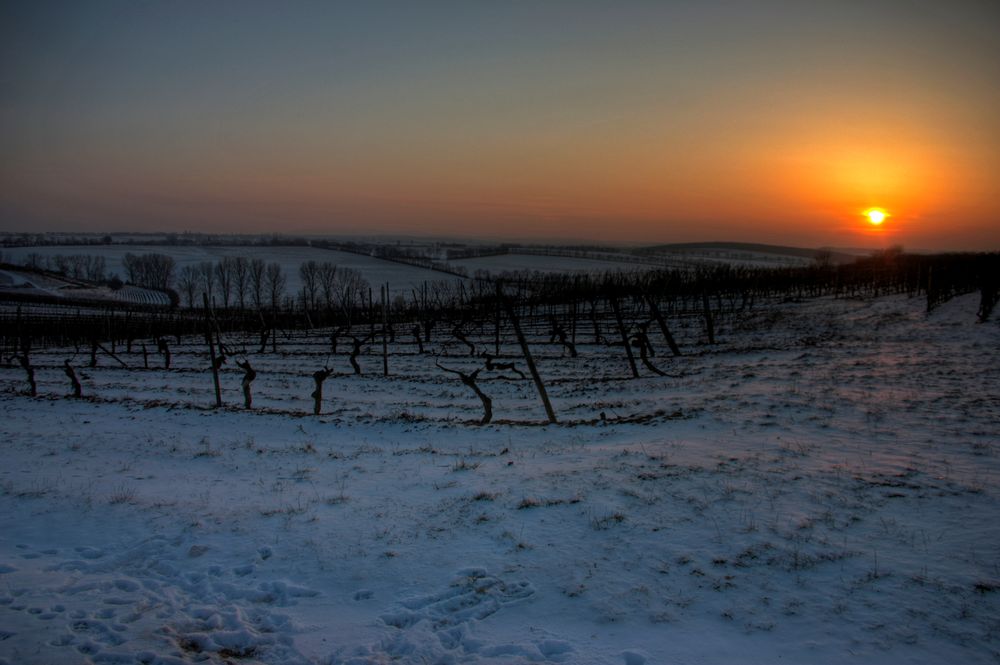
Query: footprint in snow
[[633, 658], [126, 585], [243, 571], [472, 595], [440, 627], [97, 631]]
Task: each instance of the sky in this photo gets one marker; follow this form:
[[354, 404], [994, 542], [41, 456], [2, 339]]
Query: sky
[[775, 121]]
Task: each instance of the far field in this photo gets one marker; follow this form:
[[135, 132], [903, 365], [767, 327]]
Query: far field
[[404, 278], [401, 278]]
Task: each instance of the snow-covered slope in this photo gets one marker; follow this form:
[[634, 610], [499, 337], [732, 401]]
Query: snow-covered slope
[[35, 285], [819, 487], [402, 278]]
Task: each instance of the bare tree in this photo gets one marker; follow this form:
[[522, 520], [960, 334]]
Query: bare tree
[[162, 270], [61, 264], [256, 270], [133, 268], [152, 271], [80, 266], [350, 286], [188, 282], [241, 279], [274, 279], [327, 282], [823, 258], [309, 272], [207, 272], [224, 279], [96, 268]]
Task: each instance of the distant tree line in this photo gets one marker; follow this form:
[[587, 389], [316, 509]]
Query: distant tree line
[[238, 282], [151, 271], [253, 285], [234, 281], [74, 266]]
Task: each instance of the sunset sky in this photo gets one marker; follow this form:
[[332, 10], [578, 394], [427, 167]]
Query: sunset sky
[[658, 121]]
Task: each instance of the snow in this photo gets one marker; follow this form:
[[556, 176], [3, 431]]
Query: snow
[[820, 486], [602, 262], [26, 283], [402, 278], [547, 264]]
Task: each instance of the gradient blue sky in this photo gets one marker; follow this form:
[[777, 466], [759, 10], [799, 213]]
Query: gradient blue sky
[[774, 121]]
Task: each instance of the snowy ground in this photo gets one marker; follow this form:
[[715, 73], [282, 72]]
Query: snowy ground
[[500, 263], [402, 278], [820, 486], [687, 259], [30, 284]]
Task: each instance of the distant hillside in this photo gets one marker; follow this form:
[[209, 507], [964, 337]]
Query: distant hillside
[[780, 250], [20, 284]]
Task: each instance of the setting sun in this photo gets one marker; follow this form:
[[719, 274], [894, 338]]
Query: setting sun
[[876, 216]]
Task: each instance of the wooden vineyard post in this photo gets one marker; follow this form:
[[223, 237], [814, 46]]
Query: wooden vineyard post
[[593, 320], [371, 306], [573, 329], [20, 338], [930, 288], [624, 334], [655, 311], [709, 323], [211, 352], [121, 362], [128, 331], [108, 335], [497, 314], [530, 361], [385, 329], [426, 316]]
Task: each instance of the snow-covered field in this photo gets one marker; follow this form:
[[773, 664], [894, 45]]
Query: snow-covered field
[[30, 284], [818, 487], [546, 264], [686, 259], [402, 278]]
